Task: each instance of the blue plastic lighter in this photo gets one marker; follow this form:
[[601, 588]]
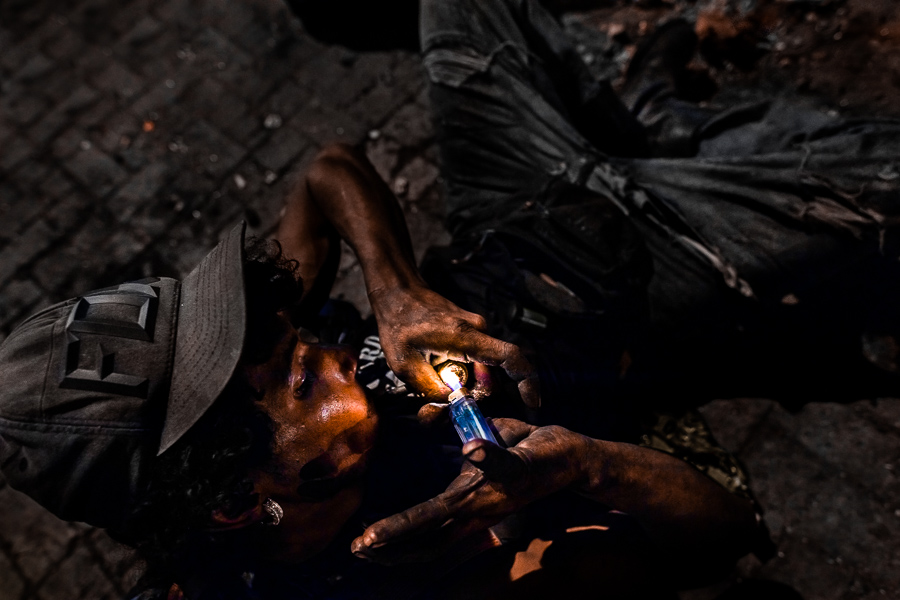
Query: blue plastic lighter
[[467, 419]]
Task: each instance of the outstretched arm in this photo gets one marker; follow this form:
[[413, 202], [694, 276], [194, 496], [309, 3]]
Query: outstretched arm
[[342, 197], [684, 513]]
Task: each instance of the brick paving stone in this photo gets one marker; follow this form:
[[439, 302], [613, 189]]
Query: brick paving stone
[[16, 150], [281, 149], [321, 66], [350, 79], [145, 30], [857, 436], [66, 216], [350, 284], [190, 189], [265, 205], [50, 27], [733, 421], [155, 218], [92, 59], [243, 23], [56, 184], [206, 230], [11, 584], [411, 125], [425, 231], [37, 539], [216, 217], [10, 201], [383, 152], [54, 271], [222, 108], [95, 170], [116, 132], [807, 570], [376, 105], [65, 45], [124, 22], [179, 15], [94, 20], [78, 99], [162, 98], [49, 126], [103, 267], [57, 86], [145, 148], [6, 130], [883, 411], [139, 189], [158, 58], [209, 150], [34, 68], [97, 114], [325, 125], [804, 496], [298, 49], [28, 177], [67, 143], [211, 48], [18, 210], [287, 100], [78, 576], [432, 202], [246, 81], [15, 298], [418, 176], [17, 54], [30, 244], [118, 79], [22, 107]]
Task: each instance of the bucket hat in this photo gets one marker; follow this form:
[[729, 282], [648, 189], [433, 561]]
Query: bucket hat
[[93, 388]]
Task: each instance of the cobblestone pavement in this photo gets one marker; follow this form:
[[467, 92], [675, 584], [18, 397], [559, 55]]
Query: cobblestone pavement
[[133, 133]]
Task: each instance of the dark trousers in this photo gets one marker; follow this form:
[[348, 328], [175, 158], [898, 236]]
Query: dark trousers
[[771, 251]]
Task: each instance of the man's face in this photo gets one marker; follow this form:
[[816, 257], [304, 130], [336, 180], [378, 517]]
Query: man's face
[[324, 428]]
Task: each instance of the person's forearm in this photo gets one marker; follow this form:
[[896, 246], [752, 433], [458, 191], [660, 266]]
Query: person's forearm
[[342, 197], [363, 211], [684, 511]]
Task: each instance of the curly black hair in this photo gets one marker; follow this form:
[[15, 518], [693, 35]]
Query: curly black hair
[[209, 467]]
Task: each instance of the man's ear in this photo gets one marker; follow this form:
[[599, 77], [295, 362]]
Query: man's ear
[[221, 520]]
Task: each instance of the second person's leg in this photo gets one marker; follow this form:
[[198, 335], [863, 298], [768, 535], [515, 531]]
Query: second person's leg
[[514, 105]]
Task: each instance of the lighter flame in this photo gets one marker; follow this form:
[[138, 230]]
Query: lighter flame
[[450, 377]]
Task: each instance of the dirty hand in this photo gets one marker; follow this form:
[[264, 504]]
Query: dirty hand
[[414, 322], [493, 484]]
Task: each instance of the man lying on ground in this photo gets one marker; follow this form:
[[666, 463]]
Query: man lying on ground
[[189, 417]]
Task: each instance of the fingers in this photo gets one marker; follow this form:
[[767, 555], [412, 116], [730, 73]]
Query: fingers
[[530, 391], [513, 431], [483, 348], [385, 540], [497, 464], [484, 383], [433, 414], [415, 370]]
